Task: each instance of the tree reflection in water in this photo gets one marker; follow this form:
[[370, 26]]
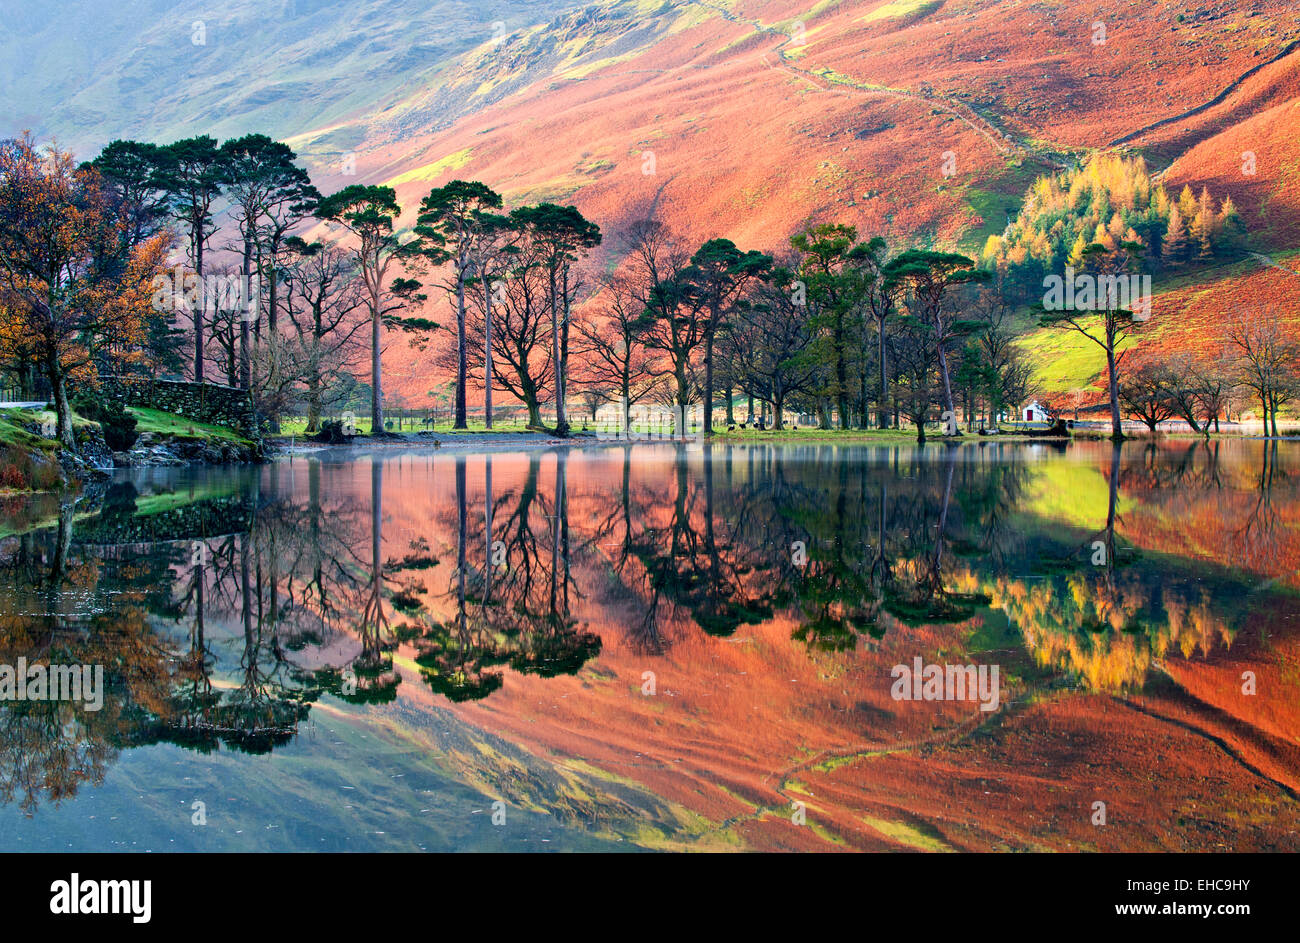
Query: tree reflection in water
[[224, 605]]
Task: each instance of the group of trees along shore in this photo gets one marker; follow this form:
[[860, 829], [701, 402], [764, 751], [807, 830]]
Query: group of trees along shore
[[838, 326]]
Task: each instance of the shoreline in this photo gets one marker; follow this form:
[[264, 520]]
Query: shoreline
[[516, 441]]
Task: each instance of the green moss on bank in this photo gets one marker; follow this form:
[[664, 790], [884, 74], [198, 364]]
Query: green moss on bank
[[163, 423]]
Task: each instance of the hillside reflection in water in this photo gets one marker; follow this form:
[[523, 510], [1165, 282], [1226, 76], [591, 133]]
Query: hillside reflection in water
[[667, 646]]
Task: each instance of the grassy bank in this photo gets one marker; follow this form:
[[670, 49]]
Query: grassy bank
[[28, 460], [161, 423]]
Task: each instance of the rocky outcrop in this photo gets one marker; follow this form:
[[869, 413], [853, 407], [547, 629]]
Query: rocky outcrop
[[91, 460], [154, 449], [92, 449]]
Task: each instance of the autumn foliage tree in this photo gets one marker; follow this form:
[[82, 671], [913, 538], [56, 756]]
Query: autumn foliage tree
[[1110, 200], [57, 301]]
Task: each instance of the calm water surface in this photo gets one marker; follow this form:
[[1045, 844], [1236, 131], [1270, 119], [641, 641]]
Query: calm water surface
[[664, 646]]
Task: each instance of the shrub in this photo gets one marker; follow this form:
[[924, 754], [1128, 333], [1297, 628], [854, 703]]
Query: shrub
[[113, 418], [24, 471], [331, 433]]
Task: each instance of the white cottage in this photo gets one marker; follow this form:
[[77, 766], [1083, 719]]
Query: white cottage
[[1034, 412]]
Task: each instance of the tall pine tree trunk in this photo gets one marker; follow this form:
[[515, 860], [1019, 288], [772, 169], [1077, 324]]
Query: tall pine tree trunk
[[376, 368], [1116, 425], [487, 351]]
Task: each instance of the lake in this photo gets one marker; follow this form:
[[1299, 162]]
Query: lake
[[990, 646]]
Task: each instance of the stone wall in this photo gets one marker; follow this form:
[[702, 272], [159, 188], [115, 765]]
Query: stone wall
[[219, 405]]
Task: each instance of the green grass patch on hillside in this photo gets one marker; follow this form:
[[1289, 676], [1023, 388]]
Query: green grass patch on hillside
[[433, 170], [995, 206], [159, 422], [1065, 360], [13, 431], [27, 460], [901, 8]]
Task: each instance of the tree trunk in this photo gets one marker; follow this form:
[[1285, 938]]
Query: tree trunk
[[708, 383], [245, 374], [313, 402], [564, 347], [461, 366], [487, 351], [271, 323], [683, 386], [884, 379], [376, 368], [864, 411], [59, 393], [560, 420], [625, 404], [1116, 425], [197, 235], [947, 387], [841, 380]]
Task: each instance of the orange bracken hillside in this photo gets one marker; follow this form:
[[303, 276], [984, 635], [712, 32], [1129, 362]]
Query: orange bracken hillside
[[751, 119]]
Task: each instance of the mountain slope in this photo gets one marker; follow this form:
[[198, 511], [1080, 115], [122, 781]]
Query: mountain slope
[[764, 116], [88, 71], [921, 120]]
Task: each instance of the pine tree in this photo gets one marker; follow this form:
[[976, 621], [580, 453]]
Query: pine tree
[[1202, 227], [1075, 257], [1232, 228], [1175, 243]]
